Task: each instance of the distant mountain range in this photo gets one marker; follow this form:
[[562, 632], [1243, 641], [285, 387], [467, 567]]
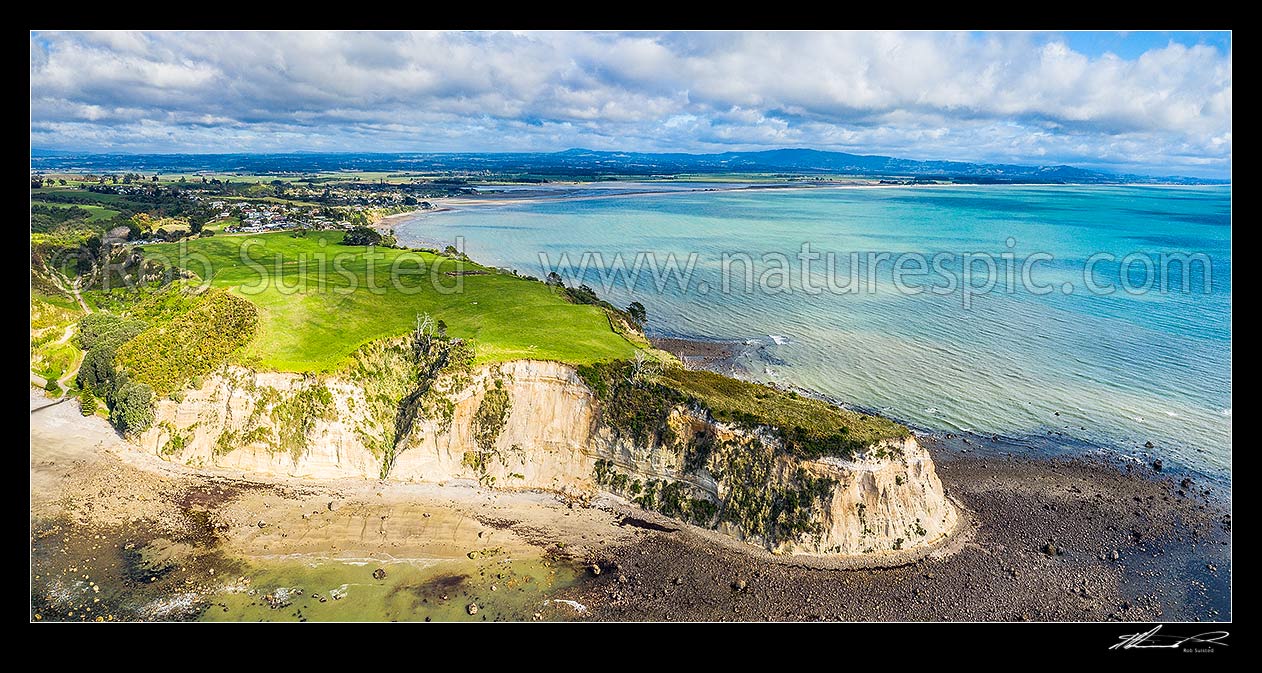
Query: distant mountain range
[[583, 163]]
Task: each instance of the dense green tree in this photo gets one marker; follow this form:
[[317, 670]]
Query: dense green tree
[[362, 236], [133, 408], [97, 371], [637, 312]]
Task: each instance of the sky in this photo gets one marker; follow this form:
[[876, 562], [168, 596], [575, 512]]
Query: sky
[[1140, 102]]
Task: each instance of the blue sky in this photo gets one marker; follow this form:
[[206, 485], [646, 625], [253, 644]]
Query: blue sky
[[1144, 102], [1132, 44]]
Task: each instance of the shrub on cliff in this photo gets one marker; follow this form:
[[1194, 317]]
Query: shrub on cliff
[[168, 356], [808, 428], [633, 405]]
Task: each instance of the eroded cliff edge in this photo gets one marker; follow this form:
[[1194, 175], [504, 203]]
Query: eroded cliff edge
[[542, 425]]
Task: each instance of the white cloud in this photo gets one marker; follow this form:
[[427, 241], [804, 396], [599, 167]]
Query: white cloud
[[1004, 96]]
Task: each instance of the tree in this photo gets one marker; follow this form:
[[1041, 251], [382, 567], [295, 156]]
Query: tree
[[637, 312], [583, 294], [87, 404], [97, 371], [133, 408], [361, 236], [554, 280], [62, 181]]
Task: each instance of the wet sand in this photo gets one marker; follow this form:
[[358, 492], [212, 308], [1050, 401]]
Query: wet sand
[[161, 541], [197, 539]]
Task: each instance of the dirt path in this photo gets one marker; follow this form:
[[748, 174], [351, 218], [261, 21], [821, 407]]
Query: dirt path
[[64, 382]]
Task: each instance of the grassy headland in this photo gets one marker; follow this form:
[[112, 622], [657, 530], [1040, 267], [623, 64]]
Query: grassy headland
[[301, 300], [312, 320]]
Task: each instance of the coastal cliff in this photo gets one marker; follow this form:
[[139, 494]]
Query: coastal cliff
[[529, 424]]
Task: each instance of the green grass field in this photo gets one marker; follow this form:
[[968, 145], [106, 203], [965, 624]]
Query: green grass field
[[310, 322], [96, 212], [80, 194]]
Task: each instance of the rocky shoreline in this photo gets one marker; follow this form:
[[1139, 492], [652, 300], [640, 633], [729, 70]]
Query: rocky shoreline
[[1054, 540], [1051, 540]]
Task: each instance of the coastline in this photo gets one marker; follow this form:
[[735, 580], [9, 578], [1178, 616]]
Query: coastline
[[1125, 543], [652, 568], [730, 357], [542, 193]]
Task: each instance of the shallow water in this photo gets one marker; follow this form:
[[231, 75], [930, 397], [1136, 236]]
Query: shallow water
[[1114, 370], [503, 589], [85, 573]]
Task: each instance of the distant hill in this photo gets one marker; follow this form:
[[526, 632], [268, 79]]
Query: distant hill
[[595, 164]]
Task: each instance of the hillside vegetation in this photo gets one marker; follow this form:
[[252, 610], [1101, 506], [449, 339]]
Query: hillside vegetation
[[311, 321], [170, 354], [636, 400]]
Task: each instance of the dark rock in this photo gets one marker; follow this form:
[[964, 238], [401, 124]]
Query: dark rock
[[739, 585], [1186, 483], [379, 574], [1050, 549], [1156, 464], [1148, 445]]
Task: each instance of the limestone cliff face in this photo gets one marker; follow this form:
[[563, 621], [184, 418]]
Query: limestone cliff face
[[536, 425]]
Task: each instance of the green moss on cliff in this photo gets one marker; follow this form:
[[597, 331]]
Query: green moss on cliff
[[809, 428], [636, 399], [677, 499], [632, 403], [295, 414], [492, 414]]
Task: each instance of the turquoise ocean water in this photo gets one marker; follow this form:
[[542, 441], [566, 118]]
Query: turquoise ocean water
[[1049, 362]]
